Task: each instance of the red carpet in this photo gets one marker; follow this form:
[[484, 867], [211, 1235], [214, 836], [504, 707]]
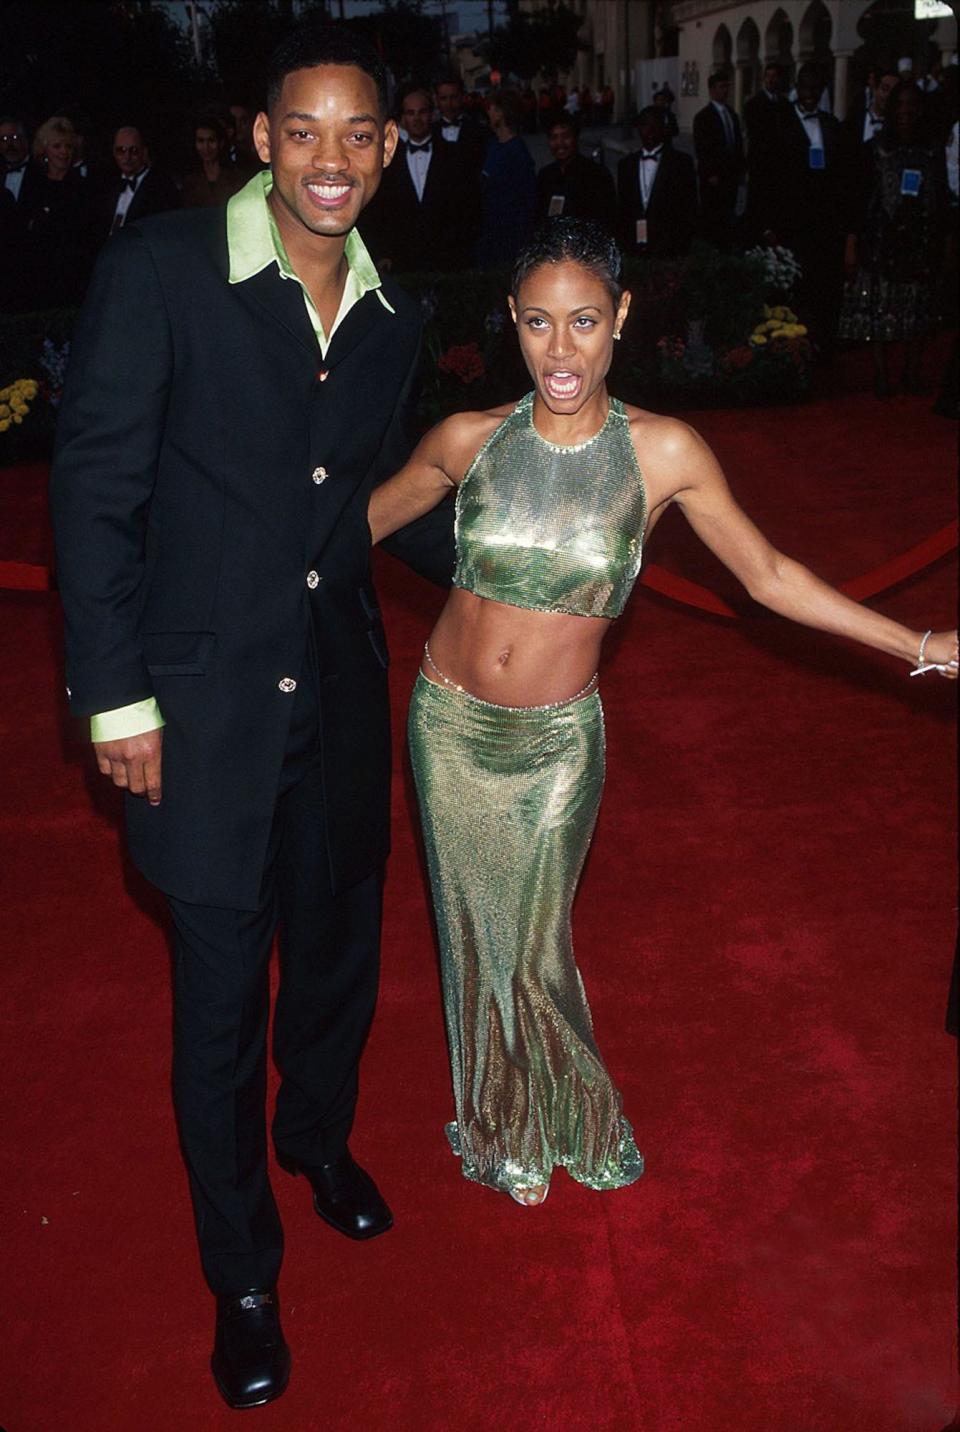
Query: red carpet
[[765, 929]]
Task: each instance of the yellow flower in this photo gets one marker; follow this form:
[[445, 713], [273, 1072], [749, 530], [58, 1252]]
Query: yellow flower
[[4, 424], [757, 338], [17, 418]]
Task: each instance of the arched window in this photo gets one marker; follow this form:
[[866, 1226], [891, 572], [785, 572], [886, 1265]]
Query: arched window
[[816, 29], [722, 48], [778, 41], [748, 58]]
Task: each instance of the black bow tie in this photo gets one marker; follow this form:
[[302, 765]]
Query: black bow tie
[[15, 168], [653, 154], [130, 184], [423, 148]]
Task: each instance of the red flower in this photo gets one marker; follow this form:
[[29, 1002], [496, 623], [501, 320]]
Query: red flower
[[740, 357], [464, 361]]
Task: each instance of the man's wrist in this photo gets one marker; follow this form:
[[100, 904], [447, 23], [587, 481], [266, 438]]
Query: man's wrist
[[125, 721]]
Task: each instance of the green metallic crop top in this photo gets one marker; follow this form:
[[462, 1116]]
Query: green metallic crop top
[[553, 529]]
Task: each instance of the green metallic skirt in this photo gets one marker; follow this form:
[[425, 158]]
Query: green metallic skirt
[[508, 800]]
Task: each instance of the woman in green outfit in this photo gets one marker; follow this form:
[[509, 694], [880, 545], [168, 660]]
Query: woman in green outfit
[[555, 496]]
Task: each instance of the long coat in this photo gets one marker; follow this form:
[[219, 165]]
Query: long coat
[[209, 494]]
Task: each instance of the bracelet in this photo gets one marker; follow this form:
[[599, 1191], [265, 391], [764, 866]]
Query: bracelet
[[922, 667]]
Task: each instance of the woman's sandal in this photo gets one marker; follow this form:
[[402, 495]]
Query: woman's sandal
[[530, 1197]]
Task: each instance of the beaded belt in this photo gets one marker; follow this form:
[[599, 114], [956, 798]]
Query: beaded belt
[[462, 691]]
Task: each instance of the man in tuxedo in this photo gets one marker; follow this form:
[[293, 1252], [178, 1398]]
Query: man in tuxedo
[[573, 187], [456, 126], [657, 193], [763, 114], [239, 381], [811, 203], [719, 149], [423, 217], [140, 189], [15, 155]]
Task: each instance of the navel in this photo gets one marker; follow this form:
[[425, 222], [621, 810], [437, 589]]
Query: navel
[[504, 657]]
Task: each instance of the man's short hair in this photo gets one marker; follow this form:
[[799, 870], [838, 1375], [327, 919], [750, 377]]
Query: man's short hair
[[651, 111], [412, 87], [719, 77], [314, 43], [448, 79], [565, 121], [776, 66]]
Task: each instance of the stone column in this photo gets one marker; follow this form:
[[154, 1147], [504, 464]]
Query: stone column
[[841, 69], [738, 89]]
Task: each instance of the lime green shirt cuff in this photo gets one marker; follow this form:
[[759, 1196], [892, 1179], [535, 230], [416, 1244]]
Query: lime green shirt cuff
[[133, 720]]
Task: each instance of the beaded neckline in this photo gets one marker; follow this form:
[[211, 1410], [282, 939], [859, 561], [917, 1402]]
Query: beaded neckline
[[566, 447]]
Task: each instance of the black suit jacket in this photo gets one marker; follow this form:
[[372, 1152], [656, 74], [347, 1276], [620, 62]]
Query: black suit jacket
[[763, 119], [203, 469], [671, 214], [156, 194], [587, 191], [420, 235], [714, 155], [471, 147], [810, 205]]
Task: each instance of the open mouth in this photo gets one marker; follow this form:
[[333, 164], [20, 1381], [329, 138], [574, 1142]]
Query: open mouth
[[562, 385], [329, 196]]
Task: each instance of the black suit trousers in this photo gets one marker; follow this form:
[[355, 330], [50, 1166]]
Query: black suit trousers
[[329, 970]]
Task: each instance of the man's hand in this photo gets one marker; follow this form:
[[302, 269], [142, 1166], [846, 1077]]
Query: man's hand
[[133, 764]]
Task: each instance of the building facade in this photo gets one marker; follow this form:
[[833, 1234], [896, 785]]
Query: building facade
[[638, 45]]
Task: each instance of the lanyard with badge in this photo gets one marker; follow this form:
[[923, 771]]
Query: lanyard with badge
[[910, 181]]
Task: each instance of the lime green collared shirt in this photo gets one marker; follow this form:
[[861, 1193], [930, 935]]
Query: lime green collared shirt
[[253, 243]]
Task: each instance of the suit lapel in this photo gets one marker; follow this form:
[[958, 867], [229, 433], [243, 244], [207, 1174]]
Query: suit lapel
[[282, 299], [355, 327]]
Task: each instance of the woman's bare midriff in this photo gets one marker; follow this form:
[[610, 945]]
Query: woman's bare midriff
[[511, 656]]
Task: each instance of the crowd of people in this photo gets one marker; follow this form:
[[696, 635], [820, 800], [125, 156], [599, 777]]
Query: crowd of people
[[62, 197], [868, 202]]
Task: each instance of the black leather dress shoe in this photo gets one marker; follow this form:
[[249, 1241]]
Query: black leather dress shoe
[[345, 1196], [251, 1361]]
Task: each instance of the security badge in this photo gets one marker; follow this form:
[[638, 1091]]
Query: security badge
[[557, 202], [910, 182]]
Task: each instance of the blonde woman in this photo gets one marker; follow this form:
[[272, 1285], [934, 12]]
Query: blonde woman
[[57, 218]]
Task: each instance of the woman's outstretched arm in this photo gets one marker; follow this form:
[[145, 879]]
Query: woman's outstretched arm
[[435, 466], [779, 582]]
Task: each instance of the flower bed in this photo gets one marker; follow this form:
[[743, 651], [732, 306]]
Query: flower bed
[[708, 330]]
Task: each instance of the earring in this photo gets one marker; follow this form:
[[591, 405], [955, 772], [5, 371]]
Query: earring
[[616, 337]]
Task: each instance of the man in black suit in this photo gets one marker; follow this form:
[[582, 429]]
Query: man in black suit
[[240, 379], [456, 126], [657, 193], [719, 148], [574, 187], [763, 114], [140, 189], [424, 214], [808, 214]]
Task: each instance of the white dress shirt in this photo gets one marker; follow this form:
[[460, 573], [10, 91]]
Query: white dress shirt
[[872, 125], [14, 178], [418, 163], [648, 166], [125, 199], [727, 121], [811, 123]]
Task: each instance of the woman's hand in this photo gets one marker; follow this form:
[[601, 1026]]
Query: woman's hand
[[940, 650]]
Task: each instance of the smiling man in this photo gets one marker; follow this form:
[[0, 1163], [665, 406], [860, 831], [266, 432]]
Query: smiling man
[[240, 380]]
